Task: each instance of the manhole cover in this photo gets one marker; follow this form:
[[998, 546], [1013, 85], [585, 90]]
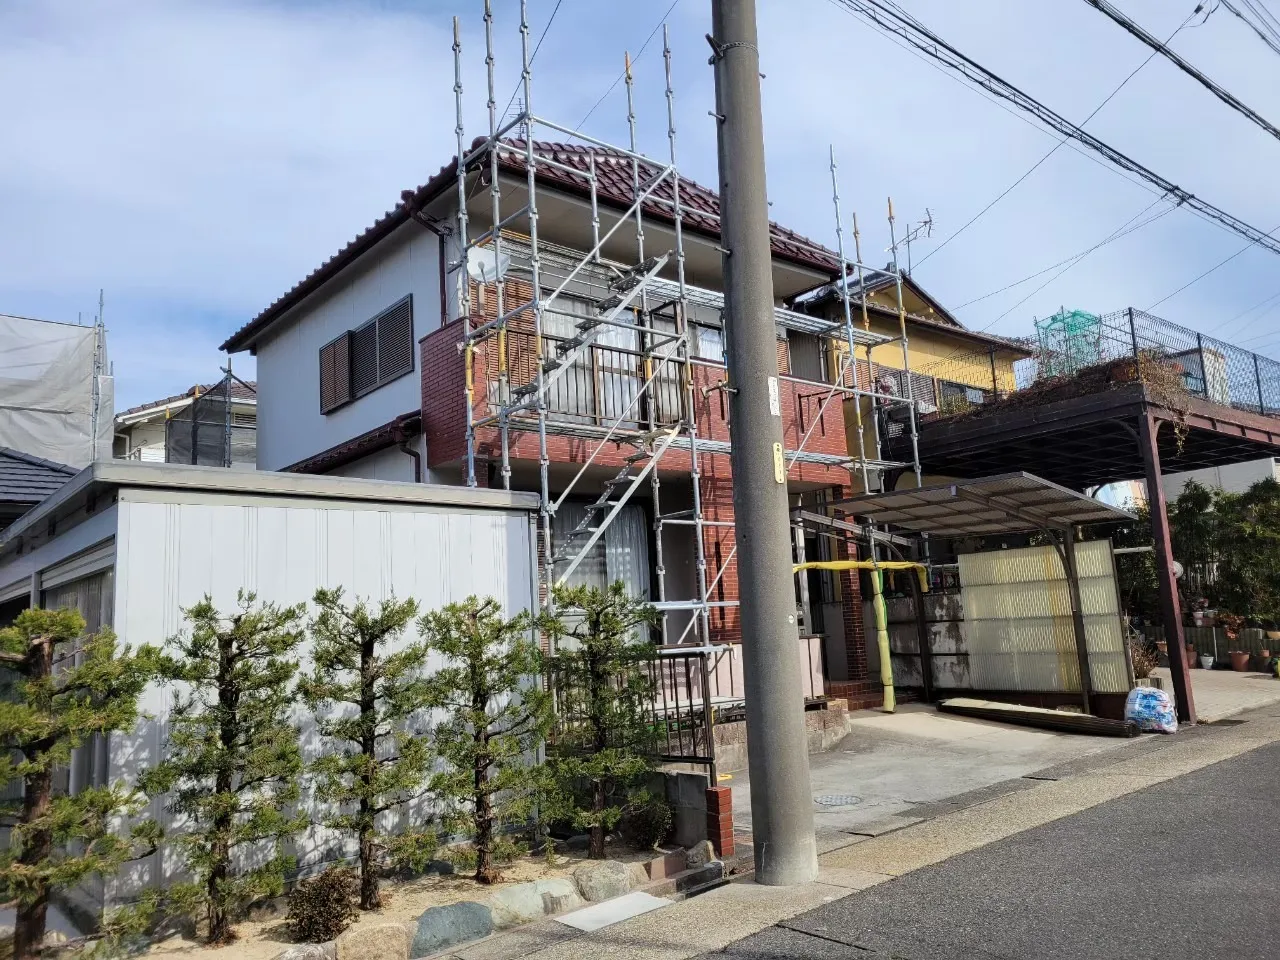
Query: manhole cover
[[837, 800]]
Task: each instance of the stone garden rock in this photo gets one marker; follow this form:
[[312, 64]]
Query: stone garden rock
[[384, 941], [517, 904], [442, 927], [602, 879], [699, 855], [559, 895], [639, 875], [309, 951]]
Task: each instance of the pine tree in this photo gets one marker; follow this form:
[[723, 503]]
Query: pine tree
[[66, 691], [606, 690], [232, 761], [370, 687], [496, 714]]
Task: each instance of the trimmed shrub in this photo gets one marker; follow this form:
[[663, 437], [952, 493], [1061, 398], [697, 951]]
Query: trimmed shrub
[[323, 906]]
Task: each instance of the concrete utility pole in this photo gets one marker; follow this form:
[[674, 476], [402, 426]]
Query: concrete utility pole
[[777, 754]]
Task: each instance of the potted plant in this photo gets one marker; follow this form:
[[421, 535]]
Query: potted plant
[[1206, 661], [1240, 660], [1271, 629]]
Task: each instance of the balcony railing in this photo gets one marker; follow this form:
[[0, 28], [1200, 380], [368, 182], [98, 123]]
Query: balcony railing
[[599, 387]]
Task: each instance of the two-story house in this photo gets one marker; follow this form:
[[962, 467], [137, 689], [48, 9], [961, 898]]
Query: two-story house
[[424, 351]]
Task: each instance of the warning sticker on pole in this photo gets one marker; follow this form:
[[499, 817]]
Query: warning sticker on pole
[[775, 407]]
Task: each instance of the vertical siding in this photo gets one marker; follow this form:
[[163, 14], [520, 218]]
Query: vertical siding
[[290, 425], [171, 555]]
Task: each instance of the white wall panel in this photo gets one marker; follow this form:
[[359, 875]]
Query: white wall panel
[[170, 555], [290, 424]]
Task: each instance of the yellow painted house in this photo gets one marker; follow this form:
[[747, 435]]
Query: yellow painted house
[[952, 367]]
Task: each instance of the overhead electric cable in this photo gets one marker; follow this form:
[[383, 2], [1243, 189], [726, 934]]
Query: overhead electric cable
[[614, 86], [1268, 39], [880, 15], [1226, 96], [1220, 263], [1035, 166]]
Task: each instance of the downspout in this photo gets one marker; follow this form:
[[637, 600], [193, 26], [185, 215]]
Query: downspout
[[406, 446], [427, 222]]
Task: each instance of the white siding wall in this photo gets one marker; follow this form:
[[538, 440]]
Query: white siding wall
[[1233, 478], [290, 425], [170, 555], [389, 464]]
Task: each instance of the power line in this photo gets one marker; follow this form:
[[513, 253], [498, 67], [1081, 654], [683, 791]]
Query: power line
[[1218, 330], [1270, 41], [878, 14], [1261, 11], [1035, 166], [614, 86], [1110, 238], [1115, 235], [1230, 99], [536, 47], [1220, 263], [1022, 118]]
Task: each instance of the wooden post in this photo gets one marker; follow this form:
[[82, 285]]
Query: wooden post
[[1170, 611]]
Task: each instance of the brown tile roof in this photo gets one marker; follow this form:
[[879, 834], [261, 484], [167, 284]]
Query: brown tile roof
[[239, 391], [701, 207]]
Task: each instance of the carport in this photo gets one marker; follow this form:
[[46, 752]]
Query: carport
[[1007, 504]]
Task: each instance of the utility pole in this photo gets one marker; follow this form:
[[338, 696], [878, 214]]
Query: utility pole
[[777, 753]]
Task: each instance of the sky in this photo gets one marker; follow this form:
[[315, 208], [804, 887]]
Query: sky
[[197, 158]]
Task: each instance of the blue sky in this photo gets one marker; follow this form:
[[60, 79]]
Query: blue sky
[[197, 157]]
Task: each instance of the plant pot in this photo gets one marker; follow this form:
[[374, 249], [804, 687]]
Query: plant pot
[[1240, 660], [1273, 634], [1206, 661], [1197, 619]]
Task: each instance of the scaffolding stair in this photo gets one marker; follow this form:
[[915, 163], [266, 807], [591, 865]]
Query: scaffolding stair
[[589, 327], [577, 543]]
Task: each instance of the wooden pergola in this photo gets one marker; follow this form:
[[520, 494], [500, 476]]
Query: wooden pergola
[[1082, 442]]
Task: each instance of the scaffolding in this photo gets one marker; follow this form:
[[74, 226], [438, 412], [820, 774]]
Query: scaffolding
[[546, 307]]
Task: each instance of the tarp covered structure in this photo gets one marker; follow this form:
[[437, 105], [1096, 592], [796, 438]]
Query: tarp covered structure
[[57, 400]]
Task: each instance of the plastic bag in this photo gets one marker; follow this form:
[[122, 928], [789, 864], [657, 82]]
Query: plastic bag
[[1151, 709]]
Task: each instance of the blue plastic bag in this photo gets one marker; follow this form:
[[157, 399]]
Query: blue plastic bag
[[1151, 709]]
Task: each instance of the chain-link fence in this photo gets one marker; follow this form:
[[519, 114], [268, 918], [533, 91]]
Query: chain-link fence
[[1073, 341], [206, 432]]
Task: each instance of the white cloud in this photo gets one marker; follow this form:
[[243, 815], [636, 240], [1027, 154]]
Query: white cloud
[[199, 158]]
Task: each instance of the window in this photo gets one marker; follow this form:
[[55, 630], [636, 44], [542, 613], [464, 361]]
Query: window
[[363, 359], [805, 353]]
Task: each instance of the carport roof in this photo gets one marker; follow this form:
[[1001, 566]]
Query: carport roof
[[988, 506]]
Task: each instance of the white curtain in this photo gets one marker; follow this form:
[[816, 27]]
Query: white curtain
[[621, 554]]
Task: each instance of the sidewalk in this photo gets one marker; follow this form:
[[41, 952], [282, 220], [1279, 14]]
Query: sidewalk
[[894, 769], [1223, 693], [711, 922]]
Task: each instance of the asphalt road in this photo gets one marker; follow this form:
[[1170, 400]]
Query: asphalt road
[[1188, 868]]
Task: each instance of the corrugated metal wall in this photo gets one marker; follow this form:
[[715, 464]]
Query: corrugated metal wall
[[1017, 611], [169, 555]]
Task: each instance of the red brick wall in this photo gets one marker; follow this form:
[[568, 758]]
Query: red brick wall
[[720, 820], [717, 543]]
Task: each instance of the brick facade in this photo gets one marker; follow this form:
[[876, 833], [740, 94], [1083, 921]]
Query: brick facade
[[803, 412]]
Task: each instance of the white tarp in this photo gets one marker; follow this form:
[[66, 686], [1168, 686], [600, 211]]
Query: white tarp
[[48, 404]]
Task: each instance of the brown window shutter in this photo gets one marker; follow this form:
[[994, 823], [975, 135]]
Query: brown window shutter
[[364, 359], [784, 358], [395, 341], [335, 373]]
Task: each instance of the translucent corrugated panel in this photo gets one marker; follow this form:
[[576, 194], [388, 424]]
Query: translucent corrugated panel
[[1017, 611]]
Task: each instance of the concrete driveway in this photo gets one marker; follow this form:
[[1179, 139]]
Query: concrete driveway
[[894, 769]]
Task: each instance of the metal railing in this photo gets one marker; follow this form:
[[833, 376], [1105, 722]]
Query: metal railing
[[1067, 344], [686, 690], [600, 385], [1209, 368]]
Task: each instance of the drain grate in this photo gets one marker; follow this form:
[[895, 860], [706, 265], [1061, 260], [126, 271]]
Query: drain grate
[[837, 800]]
